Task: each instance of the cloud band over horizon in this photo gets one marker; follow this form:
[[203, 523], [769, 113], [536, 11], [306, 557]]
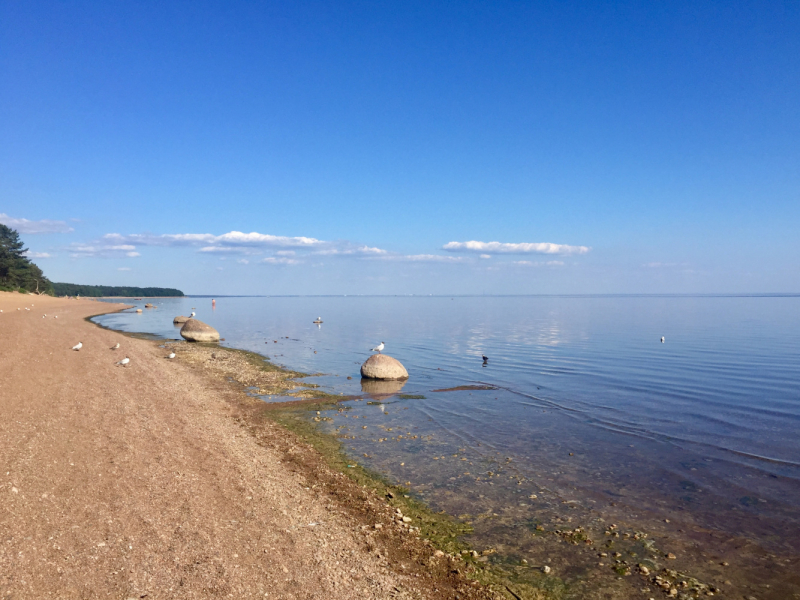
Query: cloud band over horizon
[[518, 248]]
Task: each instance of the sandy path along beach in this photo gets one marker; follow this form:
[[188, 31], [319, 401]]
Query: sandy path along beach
[[139, 482]]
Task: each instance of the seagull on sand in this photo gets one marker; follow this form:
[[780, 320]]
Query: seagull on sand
[[124, 362], [379, 348], [115, 346], [78, 346], [171, 355]]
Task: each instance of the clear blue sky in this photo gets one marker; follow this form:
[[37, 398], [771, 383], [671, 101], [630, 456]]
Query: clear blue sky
[[655, 145]]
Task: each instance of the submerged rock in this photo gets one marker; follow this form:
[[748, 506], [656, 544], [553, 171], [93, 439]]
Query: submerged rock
[[180, 319], [381, 366], [197, 331]]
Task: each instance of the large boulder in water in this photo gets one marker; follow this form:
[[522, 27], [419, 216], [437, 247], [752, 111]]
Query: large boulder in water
[[180, 319], [197, 331], [380, 366]]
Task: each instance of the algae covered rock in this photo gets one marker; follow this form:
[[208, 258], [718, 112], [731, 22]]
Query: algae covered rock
[[197, 331], [381, 366]]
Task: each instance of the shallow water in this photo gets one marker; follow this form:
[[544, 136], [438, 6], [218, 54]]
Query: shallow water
[[589, 404]]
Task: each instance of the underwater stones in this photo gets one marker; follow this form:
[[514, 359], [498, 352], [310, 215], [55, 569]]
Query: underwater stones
[[381, 366], [197, 331], [180, 319]]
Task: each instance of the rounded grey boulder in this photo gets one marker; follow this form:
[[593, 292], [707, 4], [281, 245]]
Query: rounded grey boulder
[[197, 331], [180, 319], [380, 366]]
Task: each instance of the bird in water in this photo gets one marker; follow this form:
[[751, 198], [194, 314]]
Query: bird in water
[[318, 321], [171, 355], [662, 339], [115, 346], [124, 362], [78, 346], [485, 359], [379, 348]]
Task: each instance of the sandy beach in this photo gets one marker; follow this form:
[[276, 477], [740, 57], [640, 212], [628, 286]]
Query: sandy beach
[[154, 481]]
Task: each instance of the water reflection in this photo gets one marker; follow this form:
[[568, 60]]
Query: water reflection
[[381, 390]]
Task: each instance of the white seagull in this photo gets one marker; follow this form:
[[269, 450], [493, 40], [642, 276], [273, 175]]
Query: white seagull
[[171, 355], [191, 316], [78, 346], [115, 346], [662, 339], [379, 348], [124, 362]]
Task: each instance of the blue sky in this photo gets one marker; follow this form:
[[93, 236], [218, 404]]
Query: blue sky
[[268, 148]]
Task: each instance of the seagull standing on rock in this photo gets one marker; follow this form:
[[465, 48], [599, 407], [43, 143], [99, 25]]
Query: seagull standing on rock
[[191, 316], [379, 348], [78, 346], [124, 362]]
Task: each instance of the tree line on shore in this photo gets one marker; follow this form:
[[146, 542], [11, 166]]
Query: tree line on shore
[[19, 274], [95, 291]]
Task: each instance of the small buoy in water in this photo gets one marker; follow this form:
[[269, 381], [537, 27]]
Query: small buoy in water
[[662, 339]]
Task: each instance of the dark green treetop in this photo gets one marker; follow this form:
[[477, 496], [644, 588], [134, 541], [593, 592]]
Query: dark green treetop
[[17, 272]]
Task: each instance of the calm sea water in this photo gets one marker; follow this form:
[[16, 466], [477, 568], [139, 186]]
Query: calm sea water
[[588, 403]]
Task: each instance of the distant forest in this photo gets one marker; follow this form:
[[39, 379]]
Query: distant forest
[[73, 289]]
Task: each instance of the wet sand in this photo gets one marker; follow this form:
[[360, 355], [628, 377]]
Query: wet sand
[[157, 480]]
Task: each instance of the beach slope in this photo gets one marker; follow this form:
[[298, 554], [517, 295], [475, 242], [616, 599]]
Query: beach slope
[[138, 481]]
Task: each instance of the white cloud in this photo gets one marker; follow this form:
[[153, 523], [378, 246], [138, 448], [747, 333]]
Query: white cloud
[[520, 248], [78, 250], [43, 226], [123, 269], [209, 240], [30, 254], [237, 242], [422, 258], [530, 263], [243, 261], [346, 249], [271, 260], [486, 256]]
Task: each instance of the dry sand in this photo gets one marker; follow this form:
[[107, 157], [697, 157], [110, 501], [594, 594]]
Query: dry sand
[[145, 482]]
